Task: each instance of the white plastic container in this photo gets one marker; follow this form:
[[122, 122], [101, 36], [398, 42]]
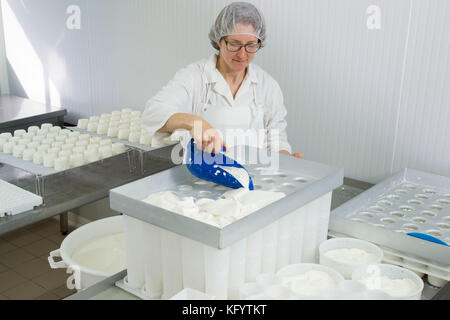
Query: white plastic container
[[24, 141], [135, 262], [297, 232], [284, 241], [83, 137], [83, 123], [135, 136], [102, 128], [43, 148], [49, 160], [46, 126], [33, 129], [76, 160], [351, 290], [105, 151], [249, 289], [105, 142], [92, 126], [38, 157], [62, 163], [435, 281], [265, 280], [60, 138], [55, 129], [171, 261], [278, 292], [392, 272], [269, 257], [19, 133], [217, 264], [346, 269], [192, 294], [236, 279], [152, 260], [6, 135], [8, 147], [118, 148], [77, 238], [82, 143], [113, 131], [28, 154], [124, 134], [301, 269], [145, 139], [254, 256], [91, 156], [193, 264], [18, 151]]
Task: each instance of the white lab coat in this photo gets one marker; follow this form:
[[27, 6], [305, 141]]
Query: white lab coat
[[200, 81]]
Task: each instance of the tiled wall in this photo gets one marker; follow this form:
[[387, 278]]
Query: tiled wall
[[372, 101]]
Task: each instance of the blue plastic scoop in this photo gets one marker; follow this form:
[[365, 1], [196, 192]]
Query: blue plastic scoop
[[208, 166]]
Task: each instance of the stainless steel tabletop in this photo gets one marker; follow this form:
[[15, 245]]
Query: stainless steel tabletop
[[19, 112], [76, 187]]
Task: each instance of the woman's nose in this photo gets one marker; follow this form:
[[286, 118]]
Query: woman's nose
[[242, 52]]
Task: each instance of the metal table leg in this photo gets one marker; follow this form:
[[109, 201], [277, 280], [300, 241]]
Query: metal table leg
[[64, 223]]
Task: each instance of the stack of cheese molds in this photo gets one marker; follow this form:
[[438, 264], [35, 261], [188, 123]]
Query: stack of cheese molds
[[408, 201], [53, 147], [167, 252], [125, 126]]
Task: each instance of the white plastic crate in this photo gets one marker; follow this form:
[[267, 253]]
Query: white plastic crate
[[161, 263], [167, 251], [15, 200]]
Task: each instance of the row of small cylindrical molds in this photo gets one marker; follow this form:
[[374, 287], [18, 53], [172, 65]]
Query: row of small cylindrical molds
[[161, 263]]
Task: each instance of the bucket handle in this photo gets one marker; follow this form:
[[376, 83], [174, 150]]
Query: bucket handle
[[53, 264]]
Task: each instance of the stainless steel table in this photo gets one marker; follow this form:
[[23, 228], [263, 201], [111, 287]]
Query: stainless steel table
[[76, 187], [20, 113]]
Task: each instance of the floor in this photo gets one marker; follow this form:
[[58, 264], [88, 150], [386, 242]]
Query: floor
[[25, 273]]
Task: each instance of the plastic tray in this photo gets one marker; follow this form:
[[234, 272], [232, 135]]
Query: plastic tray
[[15, 200], [301, 180], [409, 201]]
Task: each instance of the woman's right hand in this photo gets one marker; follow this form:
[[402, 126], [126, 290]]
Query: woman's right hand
[[207, 137]]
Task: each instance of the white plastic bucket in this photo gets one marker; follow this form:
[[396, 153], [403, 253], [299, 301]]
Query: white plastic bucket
[[392, 272], [84, 277], [347, 269], [302, 268]]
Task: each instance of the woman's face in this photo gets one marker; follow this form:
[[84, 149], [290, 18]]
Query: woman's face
[[237, 61]]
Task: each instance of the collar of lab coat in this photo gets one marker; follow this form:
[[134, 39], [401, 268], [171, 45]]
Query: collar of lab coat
[[212, 72], [220, 85]]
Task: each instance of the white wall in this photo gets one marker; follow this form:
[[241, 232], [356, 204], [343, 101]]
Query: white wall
[[372, 101], [4, 83]]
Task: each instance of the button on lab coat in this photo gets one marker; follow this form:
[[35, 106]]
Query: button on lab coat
[[201, 83]]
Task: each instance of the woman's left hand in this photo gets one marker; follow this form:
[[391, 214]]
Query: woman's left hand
[[297, 154]]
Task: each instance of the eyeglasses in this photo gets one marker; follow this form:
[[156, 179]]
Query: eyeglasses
[[237, 46]]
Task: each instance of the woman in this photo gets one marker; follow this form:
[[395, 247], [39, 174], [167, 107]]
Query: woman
[[225, 91]]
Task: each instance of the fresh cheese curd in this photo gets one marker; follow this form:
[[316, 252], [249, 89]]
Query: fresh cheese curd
[[351, 256], [240, 174], [105, 254], [311, 283], [393, 287], [231, 206]]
